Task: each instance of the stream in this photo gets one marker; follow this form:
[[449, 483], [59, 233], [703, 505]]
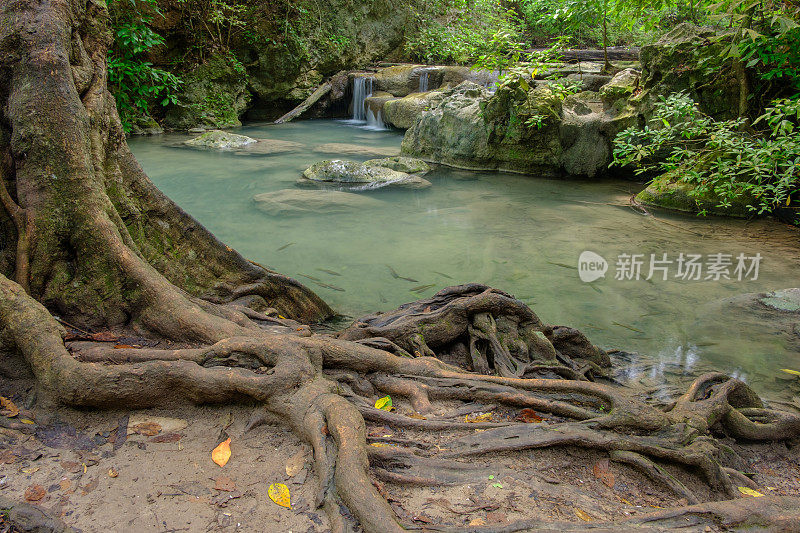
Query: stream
[[522, 234]]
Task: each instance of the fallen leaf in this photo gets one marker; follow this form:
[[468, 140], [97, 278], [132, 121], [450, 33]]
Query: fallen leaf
[[416, 416], [478, 522], [379, 444], [8, 408], [166, 437], [224, 483], [497, 485], [65, 483], [167, 425], [384, 404], [125, 346], [583, 515], [496, 517], [790, 371], [602, 471], [478, 417], [112, 472], [104, 336], [73, 467], [528, 416], [148, 429], [279, 493], [89, 487], [29, 470], [27, 421], [749, 492], [222, 452], [295, 463], [422, 518], [34, 493]]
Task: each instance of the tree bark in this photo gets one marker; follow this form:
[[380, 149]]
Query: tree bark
[[107, 244]]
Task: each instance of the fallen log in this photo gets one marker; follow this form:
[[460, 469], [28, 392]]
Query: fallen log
[[616, 53], [321, 91]]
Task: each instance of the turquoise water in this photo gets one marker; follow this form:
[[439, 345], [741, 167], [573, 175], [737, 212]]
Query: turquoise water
[[523, 234]]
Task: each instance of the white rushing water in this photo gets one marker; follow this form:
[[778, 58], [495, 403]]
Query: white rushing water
[[423, 81], [362, 89]]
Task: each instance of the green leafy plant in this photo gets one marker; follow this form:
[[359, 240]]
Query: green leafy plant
[[719, 159], [135, 82]]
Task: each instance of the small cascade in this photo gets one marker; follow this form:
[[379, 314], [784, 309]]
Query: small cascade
[[423, 81], [362, 89], [375, 120]]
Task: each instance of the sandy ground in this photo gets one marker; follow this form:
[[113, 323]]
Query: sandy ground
[[167, 481]]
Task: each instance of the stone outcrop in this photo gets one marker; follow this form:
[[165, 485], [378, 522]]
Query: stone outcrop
[[358, 176]]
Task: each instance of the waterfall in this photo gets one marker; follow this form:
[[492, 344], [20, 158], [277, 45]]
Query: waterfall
[[375, 120], [423, 81], [362, 88]]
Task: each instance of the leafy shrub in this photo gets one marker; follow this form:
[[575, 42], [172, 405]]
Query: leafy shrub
[[135, 83], [720, 159]]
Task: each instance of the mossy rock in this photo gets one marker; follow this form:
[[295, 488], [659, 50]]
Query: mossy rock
[[677, 196], [409, 165], [214, 96], [622, 85], [403, 112], [220, 140], [361, 176]]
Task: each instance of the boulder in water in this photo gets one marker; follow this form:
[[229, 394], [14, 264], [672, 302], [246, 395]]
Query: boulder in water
[[220, 140], [409, 165], [288, 202], [359, 176]]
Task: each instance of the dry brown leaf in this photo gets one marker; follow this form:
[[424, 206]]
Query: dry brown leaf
[[104, 336], [7, 408], [89, 487], [295, 463], [224, 483], [73, 467], [602, 471], [65, 483], [34, 493], [166, 437], [148, 429], [528, 416]]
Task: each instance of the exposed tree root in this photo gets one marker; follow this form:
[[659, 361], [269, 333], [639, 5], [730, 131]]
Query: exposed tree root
[[324, 388], [101, 247]]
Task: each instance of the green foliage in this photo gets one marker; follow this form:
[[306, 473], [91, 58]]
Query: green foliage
[[718, 158], [134, 81], [460, 31]]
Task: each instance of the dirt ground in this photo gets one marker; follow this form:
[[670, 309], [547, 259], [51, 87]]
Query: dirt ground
[[156, 474]]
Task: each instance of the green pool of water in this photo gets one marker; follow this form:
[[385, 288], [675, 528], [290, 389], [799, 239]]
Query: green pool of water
[[522, 234]]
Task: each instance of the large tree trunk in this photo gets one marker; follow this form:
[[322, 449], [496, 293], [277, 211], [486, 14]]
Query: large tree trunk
[[100, 244], [86, 235]]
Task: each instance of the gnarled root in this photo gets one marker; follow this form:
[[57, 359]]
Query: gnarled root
[[324, 388]]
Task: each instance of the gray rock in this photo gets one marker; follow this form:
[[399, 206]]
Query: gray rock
[[220, 140], [288, 202], [787, 300], [359, 176], [622, 85], [409, 165]]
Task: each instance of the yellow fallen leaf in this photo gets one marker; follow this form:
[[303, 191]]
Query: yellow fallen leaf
[[279, 493], [222, 453], [749, 492], [112, 473], [478, 417], [478, 522], [384, 404], [7, 408], [379, 444], [26, 421], [583, 515], [790, 371]]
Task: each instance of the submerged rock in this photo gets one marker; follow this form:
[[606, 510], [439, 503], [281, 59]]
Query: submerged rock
[[356, 149], [359, 175], [787, 300], [220, 140], [288, 202], [668, 192], [409, 165]]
